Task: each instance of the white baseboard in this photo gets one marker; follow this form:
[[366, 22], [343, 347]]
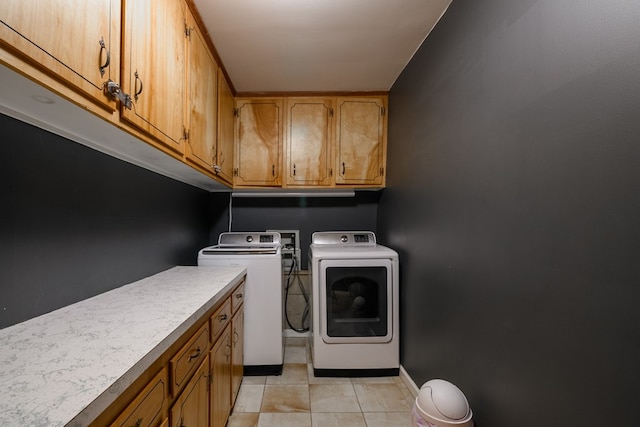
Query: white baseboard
[[406, 379]]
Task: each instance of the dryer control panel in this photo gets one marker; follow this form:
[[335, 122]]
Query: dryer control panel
[[344, 238]]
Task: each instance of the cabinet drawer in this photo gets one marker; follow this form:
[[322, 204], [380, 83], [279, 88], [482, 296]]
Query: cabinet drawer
[[220, 319], [148, 408], [188, 358], [237, 298]]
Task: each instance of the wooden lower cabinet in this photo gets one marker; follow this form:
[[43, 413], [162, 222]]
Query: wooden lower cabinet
[[183, 395], [191, 409], [148, 408], [220, 396]]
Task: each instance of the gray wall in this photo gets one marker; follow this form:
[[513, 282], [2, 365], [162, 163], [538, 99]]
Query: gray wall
[[75, 222], [514, 200]]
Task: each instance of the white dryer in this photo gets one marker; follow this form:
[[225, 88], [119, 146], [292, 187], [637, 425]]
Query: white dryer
[[260, 253], [355, 320]]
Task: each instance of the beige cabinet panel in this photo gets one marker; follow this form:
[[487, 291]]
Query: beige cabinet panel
[[75, 41], [154, 69], [361, 141], [202, 99], [309, 141], [223, 163], [258, 142], [192, 407]]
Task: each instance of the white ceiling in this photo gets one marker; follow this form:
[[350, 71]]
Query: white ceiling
[[317, 45]]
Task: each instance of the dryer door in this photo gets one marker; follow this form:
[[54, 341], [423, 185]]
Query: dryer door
[[356, 300]]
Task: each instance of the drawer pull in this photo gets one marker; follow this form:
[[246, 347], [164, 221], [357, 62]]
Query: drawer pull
[[239, 296], [195, 354], [139, 422], [223, 317]]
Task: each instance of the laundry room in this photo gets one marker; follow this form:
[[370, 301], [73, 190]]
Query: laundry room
[[510, 193]]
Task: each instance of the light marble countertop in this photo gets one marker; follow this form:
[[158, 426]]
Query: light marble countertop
[[67, 366]]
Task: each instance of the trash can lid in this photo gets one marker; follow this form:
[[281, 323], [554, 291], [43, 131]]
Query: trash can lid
[[443, 404]]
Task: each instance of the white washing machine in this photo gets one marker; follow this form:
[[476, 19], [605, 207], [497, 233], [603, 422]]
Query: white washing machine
[[260, 253], [355, 320]]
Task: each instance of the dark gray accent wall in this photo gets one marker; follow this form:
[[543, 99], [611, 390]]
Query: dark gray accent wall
[[307, 214], [75, 223], [514, 201]]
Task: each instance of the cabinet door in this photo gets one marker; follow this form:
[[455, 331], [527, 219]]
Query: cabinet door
[[192, 407], [220, 395], [76, 41], [259, 142], [226, 106], [154, 69], [148, 409], [202, 98], [308, 141], [361, 141], [237, 353]]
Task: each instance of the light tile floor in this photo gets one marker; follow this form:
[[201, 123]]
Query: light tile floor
[[299, 399]]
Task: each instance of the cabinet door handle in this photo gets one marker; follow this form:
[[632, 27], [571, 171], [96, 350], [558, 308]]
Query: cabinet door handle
[[104, 66], [195, 354], [138, 422], [136, 90], [294, 169], [343, 168], [273, 170]]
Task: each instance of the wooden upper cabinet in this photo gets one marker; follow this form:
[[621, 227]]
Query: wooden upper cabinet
[[361, 141], [309, 142], [201, 116], [154, 63], [74, 41], [258, 142], [223, 162]]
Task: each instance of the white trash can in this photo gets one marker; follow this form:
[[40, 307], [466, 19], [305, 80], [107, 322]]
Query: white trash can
[[441, 404]]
